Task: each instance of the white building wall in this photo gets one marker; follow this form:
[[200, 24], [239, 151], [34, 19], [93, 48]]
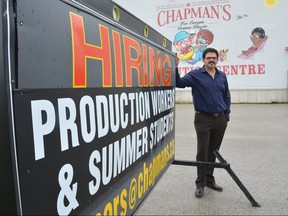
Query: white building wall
[[258, 78], [243, 96]]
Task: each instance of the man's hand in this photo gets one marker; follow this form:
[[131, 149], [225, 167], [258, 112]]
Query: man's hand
[[176, 60]]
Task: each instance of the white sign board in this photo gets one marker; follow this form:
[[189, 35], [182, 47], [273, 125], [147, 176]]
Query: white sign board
[[250, 36]]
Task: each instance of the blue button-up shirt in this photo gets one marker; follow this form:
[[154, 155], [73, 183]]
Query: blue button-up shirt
[[210, 95]]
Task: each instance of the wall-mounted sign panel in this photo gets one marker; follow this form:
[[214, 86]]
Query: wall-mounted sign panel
[[247, 34]]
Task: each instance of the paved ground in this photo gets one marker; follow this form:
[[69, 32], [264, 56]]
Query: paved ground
[[255, 145]]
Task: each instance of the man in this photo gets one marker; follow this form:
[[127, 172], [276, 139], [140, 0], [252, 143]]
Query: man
[[211, 98]]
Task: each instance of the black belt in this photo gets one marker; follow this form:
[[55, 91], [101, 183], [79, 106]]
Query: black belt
[[212, 114]]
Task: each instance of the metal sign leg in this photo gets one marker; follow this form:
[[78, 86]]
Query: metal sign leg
[[237, 180], [223, 164]]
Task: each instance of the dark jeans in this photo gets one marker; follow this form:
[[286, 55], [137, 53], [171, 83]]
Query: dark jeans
[[210, 131]]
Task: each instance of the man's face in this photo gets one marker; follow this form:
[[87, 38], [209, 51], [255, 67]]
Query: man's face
[[210, 60]]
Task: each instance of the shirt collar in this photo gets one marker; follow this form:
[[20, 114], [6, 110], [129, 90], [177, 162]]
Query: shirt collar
[[204, 70]]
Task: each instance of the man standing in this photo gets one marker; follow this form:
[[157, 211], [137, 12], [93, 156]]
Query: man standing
[[211, 99]]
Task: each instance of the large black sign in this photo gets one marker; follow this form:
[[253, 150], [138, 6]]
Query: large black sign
[[94, 109], [95, 147]]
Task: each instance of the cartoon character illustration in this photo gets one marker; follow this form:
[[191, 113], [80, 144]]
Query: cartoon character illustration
[[223, 55], [183, 43], [204, 38], [258, 39]]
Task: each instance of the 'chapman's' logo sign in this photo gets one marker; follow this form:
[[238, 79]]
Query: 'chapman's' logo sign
[[188, 12]]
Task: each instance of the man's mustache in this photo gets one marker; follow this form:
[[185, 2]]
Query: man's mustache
[[211, 62]]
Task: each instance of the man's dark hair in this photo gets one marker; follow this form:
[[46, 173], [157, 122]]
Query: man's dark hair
[[208, 50]]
